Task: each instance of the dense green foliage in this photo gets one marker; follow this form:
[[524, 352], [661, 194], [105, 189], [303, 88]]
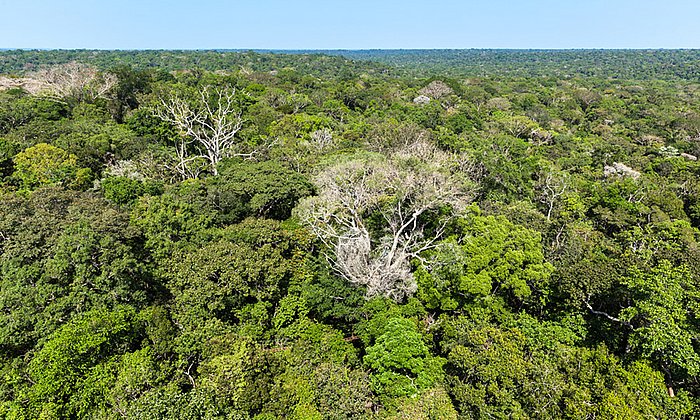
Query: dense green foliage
[[469, 234], [21, 61], [615, 64]]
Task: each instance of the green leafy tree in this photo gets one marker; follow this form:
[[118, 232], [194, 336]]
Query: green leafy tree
[[131, 83], [538, 369], [45, 164], [63, 366], [20, 109], [664, 318], [64, 253], [123, 190], [487, 255], [95, 140], [432, 404], [173, 219], [237, 279], [261, 189], [234, 373], [401, 362]]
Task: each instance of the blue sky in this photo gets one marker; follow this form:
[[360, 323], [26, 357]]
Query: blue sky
[[315, 24]]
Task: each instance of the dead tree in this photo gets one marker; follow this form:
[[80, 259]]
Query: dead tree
[[400, 191], [553, 188], [208, 127], [436, 89], [76, 81]]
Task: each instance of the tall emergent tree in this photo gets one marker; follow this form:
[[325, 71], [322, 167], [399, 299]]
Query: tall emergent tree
[[208, 127], [372, 212]]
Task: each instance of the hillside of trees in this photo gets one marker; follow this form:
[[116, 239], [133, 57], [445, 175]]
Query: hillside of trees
[[248, 235]]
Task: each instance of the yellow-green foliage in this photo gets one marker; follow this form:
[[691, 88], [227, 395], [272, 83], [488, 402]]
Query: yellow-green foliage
[[45, 164]]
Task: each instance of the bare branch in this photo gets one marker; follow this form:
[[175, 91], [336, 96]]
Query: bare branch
[[208, 128], [401, 191], [608, 316], [553, 188], [75, 80]]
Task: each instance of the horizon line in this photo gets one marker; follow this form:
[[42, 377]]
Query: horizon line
[[351, 49]]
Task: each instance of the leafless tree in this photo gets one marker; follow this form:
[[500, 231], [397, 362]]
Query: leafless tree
[[436, 89], [518, 126], [620, 170], [296, 102], [553, 187], [501, 104], [321, 139], [208, 128], [398, 190], [29, 84], [586, 98], [75, 80]]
